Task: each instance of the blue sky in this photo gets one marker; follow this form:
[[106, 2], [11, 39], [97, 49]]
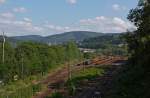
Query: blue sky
[[47, 17]]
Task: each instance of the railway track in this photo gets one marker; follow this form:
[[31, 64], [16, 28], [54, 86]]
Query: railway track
[[61, 76], [97, 87]]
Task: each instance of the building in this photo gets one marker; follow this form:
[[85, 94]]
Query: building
[[85, 50]]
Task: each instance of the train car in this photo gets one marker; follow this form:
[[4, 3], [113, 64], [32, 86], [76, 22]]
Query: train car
[[87, 62]]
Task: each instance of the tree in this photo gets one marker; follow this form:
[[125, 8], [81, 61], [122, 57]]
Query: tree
[[31, 58], [7, 68], [133, 81], [139, 40]]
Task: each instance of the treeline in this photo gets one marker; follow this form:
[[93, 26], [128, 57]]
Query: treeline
[[102, 41], [108, 44], [29, 58]]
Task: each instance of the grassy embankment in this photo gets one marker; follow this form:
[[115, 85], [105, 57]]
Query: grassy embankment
[[27, 87]]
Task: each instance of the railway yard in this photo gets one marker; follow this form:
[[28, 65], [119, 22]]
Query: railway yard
[[94, 88]]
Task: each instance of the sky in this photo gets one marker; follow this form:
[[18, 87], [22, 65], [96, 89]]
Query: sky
[[48, 17]]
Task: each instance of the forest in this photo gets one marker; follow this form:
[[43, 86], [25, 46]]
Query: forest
[[30, 58], [106, 44]]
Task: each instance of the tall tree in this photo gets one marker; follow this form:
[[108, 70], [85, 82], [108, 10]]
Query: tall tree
[[134, 79], [139, 40]]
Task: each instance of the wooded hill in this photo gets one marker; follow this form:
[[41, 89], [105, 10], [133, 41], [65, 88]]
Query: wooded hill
[[58, 38], [102, 41]]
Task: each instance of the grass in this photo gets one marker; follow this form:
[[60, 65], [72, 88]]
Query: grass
[[87, 74], [26, 88], [21, 88], [25, 92], [56, 95]]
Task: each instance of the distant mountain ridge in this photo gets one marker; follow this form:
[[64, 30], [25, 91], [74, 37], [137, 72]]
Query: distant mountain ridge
[[77, 36], [58, 38], [35, 38], [72, 36]]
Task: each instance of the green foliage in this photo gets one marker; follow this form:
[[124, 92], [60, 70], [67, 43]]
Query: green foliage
[[71, 88], [25, 92], [89, 55], [72, 51], [113, 50], [133, 81], [101, 41], [7, 69], [138, 41], [71, 36], [56, 95], [109, 44], [55, 39], [87, 74], [30, 59]]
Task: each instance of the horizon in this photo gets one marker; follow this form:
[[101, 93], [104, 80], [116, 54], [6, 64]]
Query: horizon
[[62, 33], [21, 17]]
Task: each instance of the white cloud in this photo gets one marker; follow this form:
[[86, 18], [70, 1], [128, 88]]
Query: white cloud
[[100, 18], [72, 1], [50, 26], [106, 24], [27, 19], [2, 1], [97, 24], [26, 26], [7, 15], [19, 27], [117, 7], [66, 28], [56, 28], [20, 10]]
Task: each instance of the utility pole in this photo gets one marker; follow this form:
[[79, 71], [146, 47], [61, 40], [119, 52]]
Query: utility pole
[[83, 63], [69, 70], [22, 67], [3, 56]]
